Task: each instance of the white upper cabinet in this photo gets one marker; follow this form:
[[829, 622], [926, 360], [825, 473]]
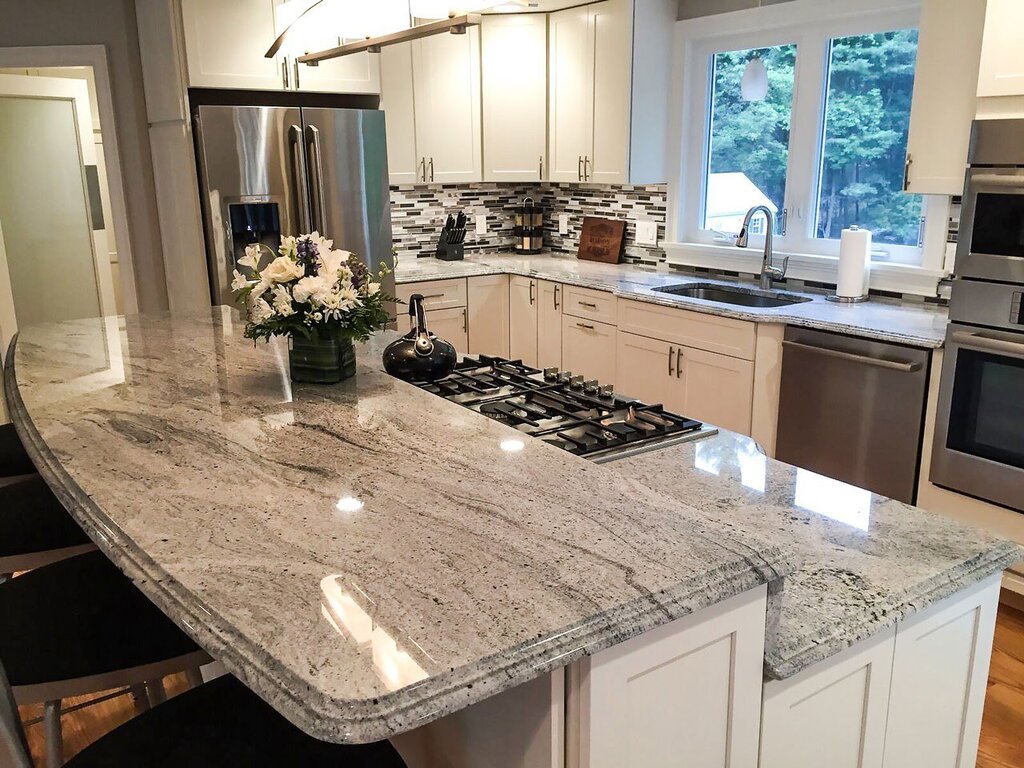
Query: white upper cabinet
[[225, 43], [446, 88], [399, 113], [598, 81], [944, 95], [571, 91], [611, 25], [514, 66], [1002, 55]]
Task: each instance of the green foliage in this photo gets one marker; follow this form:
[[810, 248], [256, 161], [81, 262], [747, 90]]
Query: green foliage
[[867, 116]]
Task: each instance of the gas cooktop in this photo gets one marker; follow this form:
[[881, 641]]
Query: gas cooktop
[[573, 413]]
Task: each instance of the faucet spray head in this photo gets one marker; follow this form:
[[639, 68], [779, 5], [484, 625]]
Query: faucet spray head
[[741, 238]]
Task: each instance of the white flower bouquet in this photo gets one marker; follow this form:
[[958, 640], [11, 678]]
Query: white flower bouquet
[[311, 290]]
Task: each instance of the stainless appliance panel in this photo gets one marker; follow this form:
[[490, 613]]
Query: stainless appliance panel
[[348, 182], [979, 431], [991, 244], [252, 175], [996, 142], [995, 305], [853, 409]]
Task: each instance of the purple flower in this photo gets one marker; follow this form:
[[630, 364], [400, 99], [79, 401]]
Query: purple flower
[[306, 254]]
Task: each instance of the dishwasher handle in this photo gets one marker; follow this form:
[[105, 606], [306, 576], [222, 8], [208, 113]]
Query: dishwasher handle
[[891, 365]]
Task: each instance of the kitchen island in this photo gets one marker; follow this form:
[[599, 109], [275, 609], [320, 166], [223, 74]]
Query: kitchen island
[[370, 558]]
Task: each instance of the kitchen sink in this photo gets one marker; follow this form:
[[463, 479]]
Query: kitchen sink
[[740, 296]]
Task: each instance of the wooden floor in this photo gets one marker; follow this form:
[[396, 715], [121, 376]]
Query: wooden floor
[[1002, 733]]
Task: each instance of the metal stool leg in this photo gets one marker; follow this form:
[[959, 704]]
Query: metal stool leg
[[157, 694], [141, 697], [194, 677], [54, 737]]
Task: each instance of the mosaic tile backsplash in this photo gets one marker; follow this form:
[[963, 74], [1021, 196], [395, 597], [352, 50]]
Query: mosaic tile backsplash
[[418, 213]]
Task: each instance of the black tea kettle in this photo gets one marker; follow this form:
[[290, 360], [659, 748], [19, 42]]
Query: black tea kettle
[[419, 355]]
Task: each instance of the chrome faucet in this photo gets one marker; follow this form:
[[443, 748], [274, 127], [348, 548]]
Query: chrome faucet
[[769, 271]]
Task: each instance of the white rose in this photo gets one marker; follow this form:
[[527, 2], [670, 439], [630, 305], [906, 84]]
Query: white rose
[[282, 270], [260, 311], [252, 257], [239, 282]]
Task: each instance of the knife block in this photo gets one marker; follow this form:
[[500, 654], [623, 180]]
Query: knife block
[[450, 251]]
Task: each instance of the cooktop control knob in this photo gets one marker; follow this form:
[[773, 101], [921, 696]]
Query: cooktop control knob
[[607, 391], [564, 376], [591, 386], [576, 382], [550, 374]]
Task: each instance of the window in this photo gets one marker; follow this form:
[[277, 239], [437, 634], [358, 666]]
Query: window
[[824, 150], [748, 141], [867, 115]]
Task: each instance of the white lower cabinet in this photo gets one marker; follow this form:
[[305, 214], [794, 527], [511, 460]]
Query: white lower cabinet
[[550, 298], [452, 325], [686, 693], [909, 697], [588, 348], [487, 301], [522, 304]]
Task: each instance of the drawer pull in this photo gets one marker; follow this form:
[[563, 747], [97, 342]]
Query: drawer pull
[[434, 296], [585, 325], [679, 362], [671, 351], [587, 304]]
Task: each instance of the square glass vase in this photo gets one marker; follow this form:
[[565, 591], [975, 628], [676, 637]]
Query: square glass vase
[[321, 359]]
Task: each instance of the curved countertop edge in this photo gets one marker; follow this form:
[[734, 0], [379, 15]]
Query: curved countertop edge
[[361, 721], [782, 315], [781, 666]]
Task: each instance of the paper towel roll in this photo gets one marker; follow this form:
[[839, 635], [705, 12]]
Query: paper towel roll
[[854, 262]]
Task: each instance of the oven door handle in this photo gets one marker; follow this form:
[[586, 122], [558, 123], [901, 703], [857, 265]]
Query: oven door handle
[[852, 357], [999, 180], [983, 343]]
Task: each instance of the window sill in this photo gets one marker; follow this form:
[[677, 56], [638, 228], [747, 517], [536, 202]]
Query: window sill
[[898, 278]]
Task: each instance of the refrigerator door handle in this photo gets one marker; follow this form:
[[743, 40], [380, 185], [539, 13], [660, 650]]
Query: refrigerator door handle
[[302, 224], [317, 185]]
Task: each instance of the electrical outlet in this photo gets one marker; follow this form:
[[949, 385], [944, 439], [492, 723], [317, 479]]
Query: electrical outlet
[[481, 223], [646, 232], [563, 223]]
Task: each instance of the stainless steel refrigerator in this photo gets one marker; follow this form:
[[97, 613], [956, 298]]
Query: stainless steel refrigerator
[[271, 171]]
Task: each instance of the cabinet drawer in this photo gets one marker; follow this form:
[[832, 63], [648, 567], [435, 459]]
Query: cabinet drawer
[[437, 294], [588, 348], [723, 335], [452, 325], [589, 304]]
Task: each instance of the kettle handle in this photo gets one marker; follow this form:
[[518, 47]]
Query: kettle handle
[[424, 345]]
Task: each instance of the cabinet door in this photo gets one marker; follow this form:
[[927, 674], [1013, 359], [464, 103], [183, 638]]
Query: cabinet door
[[399, 113], [588, 348], [550, 297], [832, 713], [715, 388], [643, 368], [939, 674], [355, 73], [488, 315], [944, 94], [611, 35], [447, 97], [1002, 57], [522, 331], [225, 41], [570, 84], [452, 325], [685, 693], [514, 52]]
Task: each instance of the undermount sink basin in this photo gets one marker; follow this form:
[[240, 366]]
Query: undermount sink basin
[[740, 296]]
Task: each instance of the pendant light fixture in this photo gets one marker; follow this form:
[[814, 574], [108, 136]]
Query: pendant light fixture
[[754, 83]]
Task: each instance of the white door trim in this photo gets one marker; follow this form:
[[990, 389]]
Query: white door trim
[[96, 57]]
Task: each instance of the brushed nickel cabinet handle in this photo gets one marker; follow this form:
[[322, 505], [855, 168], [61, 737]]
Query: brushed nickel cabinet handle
[[588, 326], [540, 167], [586, 162], [679, 362], [557, 288], [434, 296], [579, 168], [671, 351], [295, 64], [531, 292], [431, 170], [587, 304], [465, 321], [906, 171], [423, 169], [284, 73]]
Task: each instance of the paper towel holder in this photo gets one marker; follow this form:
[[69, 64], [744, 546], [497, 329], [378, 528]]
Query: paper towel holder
[[846, 299], [835, 297]]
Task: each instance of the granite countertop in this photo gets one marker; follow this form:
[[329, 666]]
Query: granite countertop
[[917, 325], [867, 561], [367, 557]]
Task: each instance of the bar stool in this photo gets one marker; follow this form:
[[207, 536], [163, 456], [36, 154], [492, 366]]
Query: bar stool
[[78, 626], [217, 725], [14, 459]]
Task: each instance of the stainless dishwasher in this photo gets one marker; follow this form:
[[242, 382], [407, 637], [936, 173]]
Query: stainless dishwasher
[[853, 409]]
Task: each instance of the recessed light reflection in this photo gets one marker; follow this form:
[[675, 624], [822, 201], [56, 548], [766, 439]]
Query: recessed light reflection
[[349, 504], [511, 445]]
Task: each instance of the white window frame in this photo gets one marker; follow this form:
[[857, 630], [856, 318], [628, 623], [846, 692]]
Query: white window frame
[[810, 24]]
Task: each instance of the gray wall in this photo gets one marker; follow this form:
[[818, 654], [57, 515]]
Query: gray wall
[[691, 9], [110, 23]]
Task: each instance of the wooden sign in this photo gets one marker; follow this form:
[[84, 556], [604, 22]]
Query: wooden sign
[[602, 239]]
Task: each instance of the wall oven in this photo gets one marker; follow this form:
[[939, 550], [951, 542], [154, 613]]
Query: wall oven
[[979, 430]]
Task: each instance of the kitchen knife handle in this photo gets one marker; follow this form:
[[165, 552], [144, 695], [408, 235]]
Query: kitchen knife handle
[[671, 351]]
